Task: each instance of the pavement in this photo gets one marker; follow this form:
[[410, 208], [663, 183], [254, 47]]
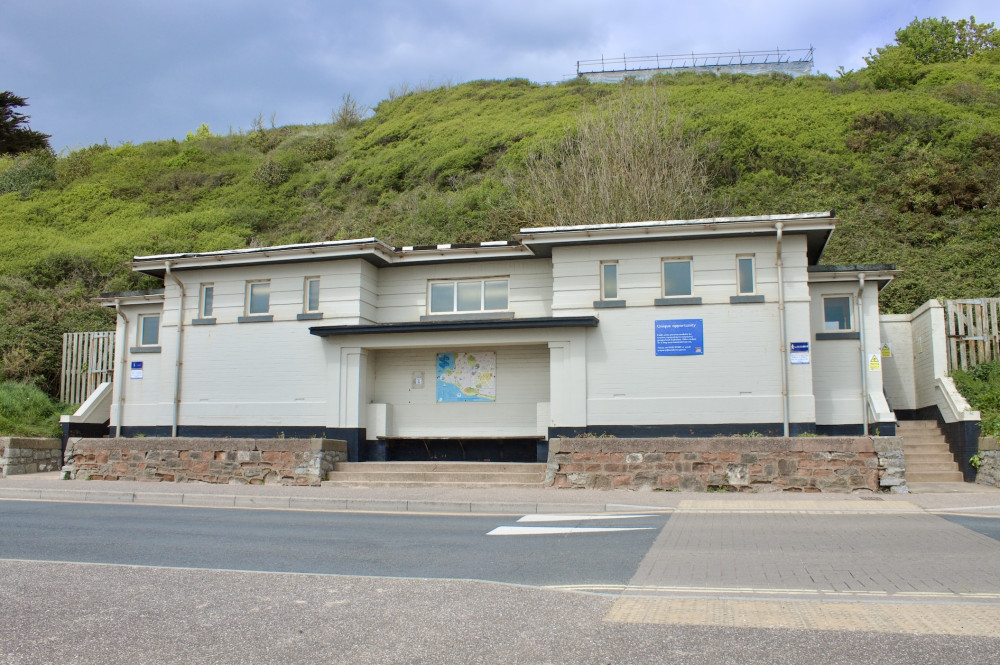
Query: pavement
[[967, 498]]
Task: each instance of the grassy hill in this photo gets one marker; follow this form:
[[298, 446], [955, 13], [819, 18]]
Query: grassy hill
[[913, 172]]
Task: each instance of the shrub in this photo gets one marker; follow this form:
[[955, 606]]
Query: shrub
[[27, 411], [981, 387]]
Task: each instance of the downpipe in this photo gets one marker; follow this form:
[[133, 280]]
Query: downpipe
[[783, 332], [180, 351], [121, 367], [864, 354]]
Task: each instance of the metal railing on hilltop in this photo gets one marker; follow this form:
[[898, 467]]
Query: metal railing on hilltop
[[690, 60]]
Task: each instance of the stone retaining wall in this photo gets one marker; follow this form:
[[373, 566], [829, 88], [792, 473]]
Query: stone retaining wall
[[988, 472], [227, 461], [800, 464], [29, 455]]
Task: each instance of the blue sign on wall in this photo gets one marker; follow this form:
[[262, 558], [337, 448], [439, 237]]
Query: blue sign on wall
[[680, 337]]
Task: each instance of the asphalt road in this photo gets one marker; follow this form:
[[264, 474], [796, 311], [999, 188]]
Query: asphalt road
[[107, 584], [380, 545]]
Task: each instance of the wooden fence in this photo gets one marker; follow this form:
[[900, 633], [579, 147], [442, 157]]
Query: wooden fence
[[88, 360], [973, 332]]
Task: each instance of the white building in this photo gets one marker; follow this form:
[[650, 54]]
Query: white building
[[671, 328]]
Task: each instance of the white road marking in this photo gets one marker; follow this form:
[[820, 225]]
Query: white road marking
[[576, 518], [550, 530]]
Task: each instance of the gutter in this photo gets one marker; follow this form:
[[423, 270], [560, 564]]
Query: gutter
[[180, 350]]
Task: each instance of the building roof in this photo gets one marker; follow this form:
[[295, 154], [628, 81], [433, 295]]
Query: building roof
[[529, 243]]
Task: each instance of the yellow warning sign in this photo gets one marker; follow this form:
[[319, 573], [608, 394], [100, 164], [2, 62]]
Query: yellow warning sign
[[874, 364], [886, 350]]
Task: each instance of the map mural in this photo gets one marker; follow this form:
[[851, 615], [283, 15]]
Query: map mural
[[467, 376]]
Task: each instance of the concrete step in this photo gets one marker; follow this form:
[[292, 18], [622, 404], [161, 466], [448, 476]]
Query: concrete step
[[924, 439], [937, 457], [437, 474], [934, 477], [916, 425]]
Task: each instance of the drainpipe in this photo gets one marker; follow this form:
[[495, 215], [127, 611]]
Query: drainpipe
[[864, 354], [180, 350], [783, 326], [121, 367]]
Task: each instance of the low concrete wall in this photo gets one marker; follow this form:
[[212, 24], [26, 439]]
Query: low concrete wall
[[227, 461], [29, 455], [988, 472], [800, 464]]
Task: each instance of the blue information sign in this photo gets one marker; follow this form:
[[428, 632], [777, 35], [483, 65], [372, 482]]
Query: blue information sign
[[680, 337], [136, 364]]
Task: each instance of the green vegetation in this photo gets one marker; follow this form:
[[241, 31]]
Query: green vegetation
[[981, 387], [15, 135], [27, 411], [906, 152]]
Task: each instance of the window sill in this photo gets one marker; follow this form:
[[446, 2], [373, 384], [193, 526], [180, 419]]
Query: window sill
[[743, 300], [144, 349], [608, 304], [309, 316], [837, 335], [672, 301], [255, 318], [203, 322], [468, 316]]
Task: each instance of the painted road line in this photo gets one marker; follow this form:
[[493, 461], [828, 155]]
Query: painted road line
[[577, 518], [553, 530]]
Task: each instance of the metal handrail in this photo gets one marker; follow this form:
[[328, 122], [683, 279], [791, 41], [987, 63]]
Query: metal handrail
[[689, 60]]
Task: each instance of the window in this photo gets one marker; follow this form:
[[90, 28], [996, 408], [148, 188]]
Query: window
[[837, 313], [745, 274], [310, 296], [149, 329], [258, 297], [609, 281], [206, 301], [677, 277], [474, 295]]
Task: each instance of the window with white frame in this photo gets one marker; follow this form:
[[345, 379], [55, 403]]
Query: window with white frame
[[310, 294], [837, 313], [206, 302], [676, 277], [258, 298], [745, 275], [609, 280], [149, 330], [468, 295]]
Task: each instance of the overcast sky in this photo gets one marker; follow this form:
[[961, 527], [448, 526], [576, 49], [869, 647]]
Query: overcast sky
[[141, 70]]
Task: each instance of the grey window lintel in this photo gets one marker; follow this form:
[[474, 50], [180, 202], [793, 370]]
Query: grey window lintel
[[677, 300], [608, 304], [144, 349], [255, 318], [742, 300], [820, 336]]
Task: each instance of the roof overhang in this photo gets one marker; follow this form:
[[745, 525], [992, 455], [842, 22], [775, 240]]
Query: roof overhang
[[880, 273], [816, 226], [457, 326]]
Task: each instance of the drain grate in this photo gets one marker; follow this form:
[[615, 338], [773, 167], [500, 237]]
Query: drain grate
[[865, 497]]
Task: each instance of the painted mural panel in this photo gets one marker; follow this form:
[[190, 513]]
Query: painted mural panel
[[467, 376]]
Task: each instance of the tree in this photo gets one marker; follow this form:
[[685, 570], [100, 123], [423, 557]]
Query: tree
[[928, 41], [15, 136]]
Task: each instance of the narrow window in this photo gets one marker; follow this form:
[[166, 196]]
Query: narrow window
[[258, 297], [495, 294], [837, 313], [443, 297], [311, 294], [609, 281], [149, 329], [745, 276], [677, 277], [207, 298]]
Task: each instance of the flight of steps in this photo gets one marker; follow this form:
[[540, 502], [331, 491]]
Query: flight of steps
[[928, 459], [437, 474]]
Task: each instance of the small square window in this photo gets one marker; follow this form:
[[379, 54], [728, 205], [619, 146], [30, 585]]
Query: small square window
[[495, 294], [677, 277], [207, 301], [837, 313], [745, 274], [311, 294], [443, 297], [258, 297], [609, 281], [149, 329]]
